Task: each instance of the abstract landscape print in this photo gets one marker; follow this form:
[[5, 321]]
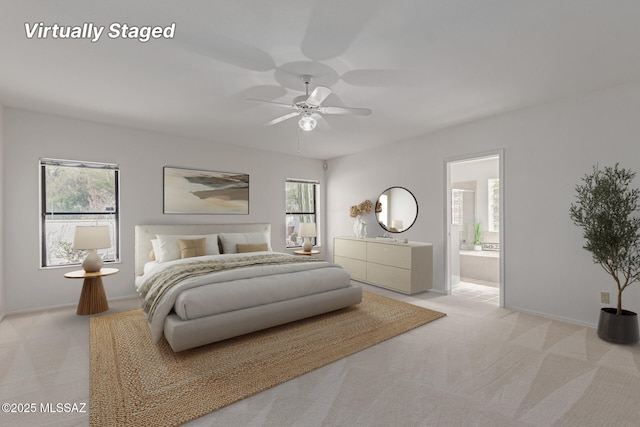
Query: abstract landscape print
[[191, 191]]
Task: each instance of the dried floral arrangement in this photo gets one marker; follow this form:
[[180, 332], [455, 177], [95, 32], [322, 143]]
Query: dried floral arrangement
[[363, 208]]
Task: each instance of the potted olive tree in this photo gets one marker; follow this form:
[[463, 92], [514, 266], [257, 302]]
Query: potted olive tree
[[606, 208]]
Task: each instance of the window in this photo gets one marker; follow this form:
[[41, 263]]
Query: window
[[494, 204], [76, 193], [301, 206], [456, 206]]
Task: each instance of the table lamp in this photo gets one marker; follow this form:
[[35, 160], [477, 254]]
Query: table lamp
[[92, 238], [307, 229]]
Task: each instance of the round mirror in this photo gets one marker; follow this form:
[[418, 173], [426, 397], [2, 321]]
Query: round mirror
[[396, 209]]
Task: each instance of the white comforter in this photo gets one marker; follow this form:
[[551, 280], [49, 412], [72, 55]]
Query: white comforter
[[222, 278]]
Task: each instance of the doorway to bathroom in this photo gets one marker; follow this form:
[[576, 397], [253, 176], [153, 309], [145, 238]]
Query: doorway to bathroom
[[474, 224]]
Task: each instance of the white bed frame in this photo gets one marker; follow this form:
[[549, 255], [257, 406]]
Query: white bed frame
[[185, 334], [144, 234]]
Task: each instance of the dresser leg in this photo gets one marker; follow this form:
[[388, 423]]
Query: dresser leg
[[92, 299]]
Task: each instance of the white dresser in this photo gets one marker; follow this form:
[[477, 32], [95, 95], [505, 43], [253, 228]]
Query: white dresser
[[401, 267]]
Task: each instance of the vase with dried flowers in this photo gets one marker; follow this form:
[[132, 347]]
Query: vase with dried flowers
[[360, 226]]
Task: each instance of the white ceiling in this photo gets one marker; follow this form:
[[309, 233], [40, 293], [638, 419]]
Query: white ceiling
[[420, 65]]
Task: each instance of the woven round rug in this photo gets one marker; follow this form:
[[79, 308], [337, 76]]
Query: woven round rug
[[134, 382]]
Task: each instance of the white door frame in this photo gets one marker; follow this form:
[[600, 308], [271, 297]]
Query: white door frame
[[447, 214]]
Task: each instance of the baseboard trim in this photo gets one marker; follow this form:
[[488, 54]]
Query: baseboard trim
[[54, 307], [553, 317]]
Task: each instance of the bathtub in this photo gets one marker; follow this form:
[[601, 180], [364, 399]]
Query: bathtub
[[480, 265]]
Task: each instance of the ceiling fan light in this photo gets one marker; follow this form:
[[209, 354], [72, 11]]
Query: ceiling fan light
[[307, 123]]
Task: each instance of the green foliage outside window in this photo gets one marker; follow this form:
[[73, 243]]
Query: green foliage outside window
[[73, 194]]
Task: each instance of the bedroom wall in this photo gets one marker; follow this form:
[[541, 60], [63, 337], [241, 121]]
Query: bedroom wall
[[2, 270], [547, 149], [141, 156]]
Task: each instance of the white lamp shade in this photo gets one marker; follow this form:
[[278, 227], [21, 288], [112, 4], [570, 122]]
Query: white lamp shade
[[308, 229], [92, 237]]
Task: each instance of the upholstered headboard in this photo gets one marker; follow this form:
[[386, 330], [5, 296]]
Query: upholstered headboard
[[144, 234]]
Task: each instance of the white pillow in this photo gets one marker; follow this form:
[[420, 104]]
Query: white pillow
[[230, 240], [155, 243], [168, 248]]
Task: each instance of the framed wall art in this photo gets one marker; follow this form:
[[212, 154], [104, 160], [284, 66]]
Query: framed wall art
[[192, 191]]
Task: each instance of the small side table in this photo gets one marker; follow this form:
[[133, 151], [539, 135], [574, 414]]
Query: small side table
[[92, 299], [301, 252]]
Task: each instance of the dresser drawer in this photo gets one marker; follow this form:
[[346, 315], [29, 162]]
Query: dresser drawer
[[356, 268], [394, 255], [405, 268], [395, 278], [355, 249]]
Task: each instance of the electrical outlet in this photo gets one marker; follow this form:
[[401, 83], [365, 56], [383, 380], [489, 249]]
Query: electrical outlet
[[604, 297]]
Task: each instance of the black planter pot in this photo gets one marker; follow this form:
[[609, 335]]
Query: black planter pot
[[618, 329]]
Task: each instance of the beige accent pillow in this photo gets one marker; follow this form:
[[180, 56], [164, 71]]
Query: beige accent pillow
[[249, 247], [166, 247], [192, 247], [230, 240]]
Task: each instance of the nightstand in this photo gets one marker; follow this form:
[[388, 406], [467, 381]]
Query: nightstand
[[92, 299], [301, 252]]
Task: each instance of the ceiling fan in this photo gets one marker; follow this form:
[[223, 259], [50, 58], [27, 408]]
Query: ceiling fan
[[309, 105]]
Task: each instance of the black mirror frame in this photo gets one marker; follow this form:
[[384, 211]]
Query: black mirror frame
[[414, 218]]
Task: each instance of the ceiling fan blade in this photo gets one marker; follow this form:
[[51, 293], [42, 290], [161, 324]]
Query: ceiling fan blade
[[278, 104], [318, 95], [346, 110], [322, 122], [282, 118]]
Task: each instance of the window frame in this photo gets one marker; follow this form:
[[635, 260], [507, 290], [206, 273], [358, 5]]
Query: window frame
[[316, 197], [44, 214], [492, 207], [456, 206]]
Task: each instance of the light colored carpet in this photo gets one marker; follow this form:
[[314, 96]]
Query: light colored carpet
[[134, 382]]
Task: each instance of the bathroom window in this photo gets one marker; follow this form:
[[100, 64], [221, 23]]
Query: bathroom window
[[494, 205], [456, 207]]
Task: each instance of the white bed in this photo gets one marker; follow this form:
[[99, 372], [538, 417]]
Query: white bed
[[209, 306]]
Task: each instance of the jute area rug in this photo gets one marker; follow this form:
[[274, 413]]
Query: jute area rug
[[137, 383]]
